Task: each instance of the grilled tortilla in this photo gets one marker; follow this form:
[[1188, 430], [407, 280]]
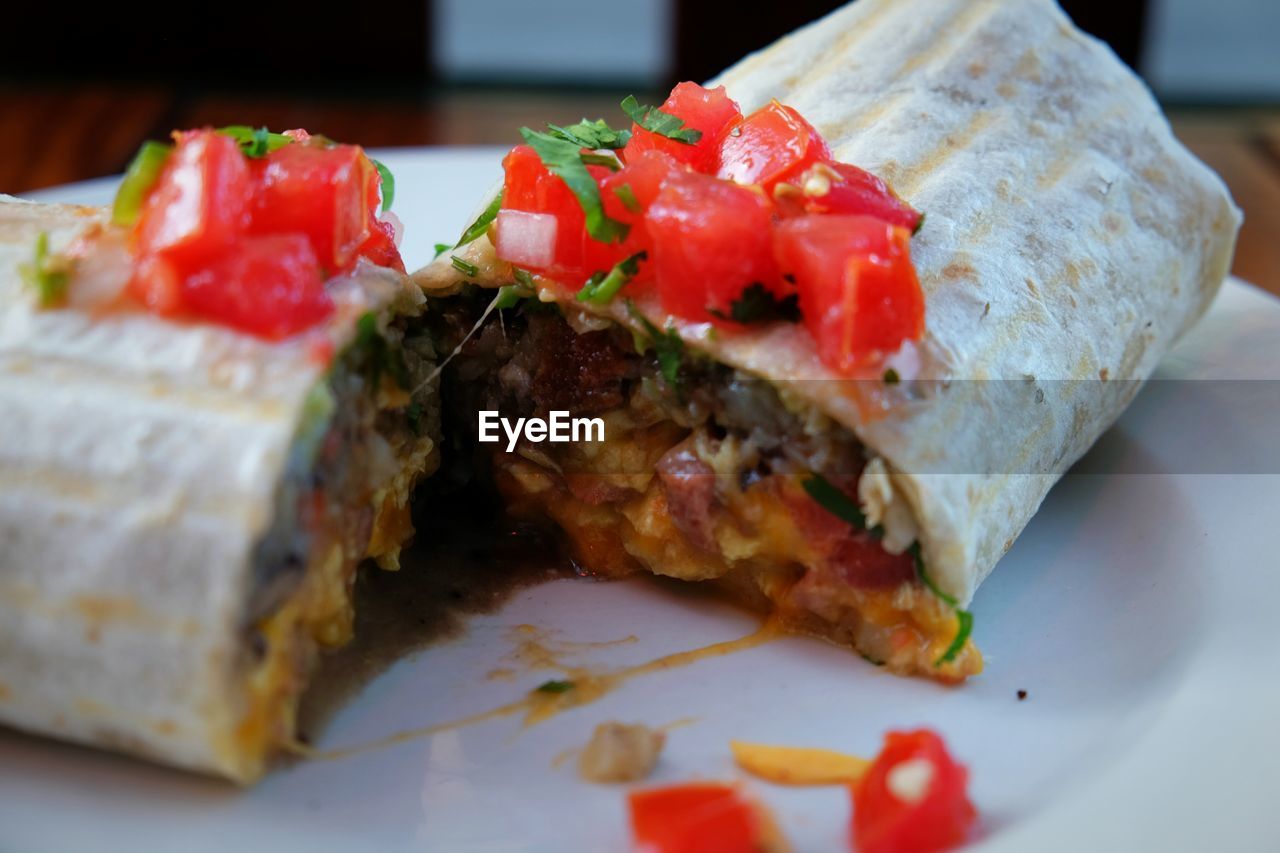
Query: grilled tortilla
[[1069, 241], [183, 507]]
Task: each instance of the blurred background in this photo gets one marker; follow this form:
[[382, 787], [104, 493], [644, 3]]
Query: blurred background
[[81, 86]]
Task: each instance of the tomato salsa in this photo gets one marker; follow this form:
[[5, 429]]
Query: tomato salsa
[[243, 228], [726, 218]]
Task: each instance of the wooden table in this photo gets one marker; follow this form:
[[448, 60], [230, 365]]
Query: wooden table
[[54, 134]]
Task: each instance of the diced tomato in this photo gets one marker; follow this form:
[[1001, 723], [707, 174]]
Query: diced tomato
[[323, 192], [380, 248], [157, 284], [271, 286], [709, 111], [710, 242], [913, 798], [855, 191], [772, 144], [199, 205], [858, 290], [529, 186], [694, 818], [643, 176], [856, 555]]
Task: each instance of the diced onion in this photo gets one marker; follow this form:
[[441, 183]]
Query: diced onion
[[396, 225], [526, 239]]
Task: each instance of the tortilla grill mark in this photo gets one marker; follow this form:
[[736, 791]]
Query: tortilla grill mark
[[858, 30], [913, 177]]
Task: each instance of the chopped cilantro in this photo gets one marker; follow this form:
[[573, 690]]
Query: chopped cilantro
[[510, 296], [564, 159], [554, 686], [468, 269], [602, 287], [376, 355], [607, 160], [656, 121], [255, 142], [834, 501], [44, 274], [524, 278], [964, 619], [964, 627], [757, 304], [591, 134], [627, 197], [919, 225], [388, 183], [482, 223], [441, 248], [891, 377], [667, 346], [143, 172], [414, 415]]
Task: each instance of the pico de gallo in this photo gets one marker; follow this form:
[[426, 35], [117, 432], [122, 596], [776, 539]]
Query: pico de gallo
[[728, 218], [243, 227], [913, 798]]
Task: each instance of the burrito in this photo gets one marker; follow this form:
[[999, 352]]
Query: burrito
[[217, 401], [835, 323]]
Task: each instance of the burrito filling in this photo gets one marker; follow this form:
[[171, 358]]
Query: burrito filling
[[721, 221], [725, 481]]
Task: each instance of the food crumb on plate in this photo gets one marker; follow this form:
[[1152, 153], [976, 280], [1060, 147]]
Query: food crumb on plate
[[621, 752]]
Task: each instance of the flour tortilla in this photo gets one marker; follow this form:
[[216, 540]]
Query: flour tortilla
[[139, 463], [1069, 240]]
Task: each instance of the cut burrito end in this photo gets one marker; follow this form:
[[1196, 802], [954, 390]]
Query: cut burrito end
[[839, 393], [214, 419]]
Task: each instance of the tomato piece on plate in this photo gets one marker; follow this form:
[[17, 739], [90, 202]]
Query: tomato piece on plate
[[381, 248], [772, 144], [858, 289], [530, 187], [198, 206], [710, 242], [913, 799], [270, 286], [709, 111], [855, 191], [322, 192], [694, 818]]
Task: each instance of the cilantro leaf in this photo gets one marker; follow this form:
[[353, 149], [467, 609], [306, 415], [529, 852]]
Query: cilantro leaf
[[964, 627], [591, 134], [255, 142], [656, 121], [757, 304], [482, 223], [667, 346], [602, 287], [468, 269], [441, 248], [555, 686], [834, 501], [376, 355], [44, 274], [628, 197], [388, 183], [564, 159], [964, 619], [610, 162]]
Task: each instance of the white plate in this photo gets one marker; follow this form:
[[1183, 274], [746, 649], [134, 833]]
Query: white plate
[[1138, 611]]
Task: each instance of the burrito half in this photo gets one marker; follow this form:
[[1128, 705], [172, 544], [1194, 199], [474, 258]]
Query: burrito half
[[845, 316]]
